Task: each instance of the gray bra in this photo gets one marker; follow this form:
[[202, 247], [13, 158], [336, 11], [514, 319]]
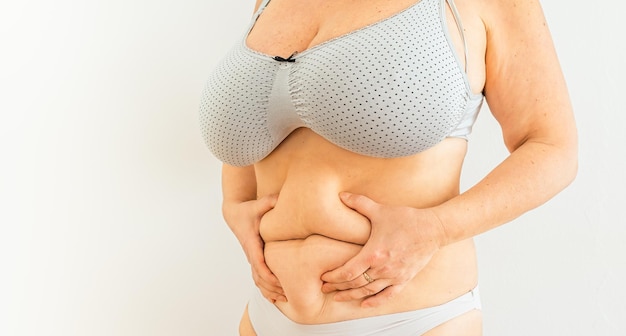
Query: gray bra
[[391, 89]]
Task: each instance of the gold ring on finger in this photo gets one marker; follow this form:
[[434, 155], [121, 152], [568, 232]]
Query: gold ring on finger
[[367, 277]]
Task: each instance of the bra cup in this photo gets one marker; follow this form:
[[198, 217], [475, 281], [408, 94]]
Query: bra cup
[[387, 106], [391, 89]]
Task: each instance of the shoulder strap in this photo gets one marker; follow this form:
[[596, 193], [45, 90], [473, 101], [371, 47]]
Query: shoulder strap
[[264, 4], [459, 25], [260, 9]]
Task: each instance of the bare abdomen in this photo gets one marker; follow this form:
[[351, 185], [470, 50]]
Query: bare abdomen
[[299, 265], [310, 231]]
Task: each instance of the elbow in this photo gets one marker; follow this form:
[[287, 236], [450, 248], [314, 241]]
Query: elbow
[[564, 153], [570, 169], [566, 156], [560, 158], [570, 149]]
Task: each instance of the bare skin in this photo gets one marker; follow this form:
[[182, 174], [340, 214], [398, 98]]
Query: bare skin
[[313, 217]]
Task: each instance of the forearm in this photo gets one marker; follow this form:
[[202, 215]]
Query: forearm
[[243, 212], [238, 186], [238, 183], [531, 175]]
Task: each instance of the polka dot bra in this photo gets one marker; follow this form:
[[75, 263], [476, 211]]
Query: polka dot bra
[[391, 89]]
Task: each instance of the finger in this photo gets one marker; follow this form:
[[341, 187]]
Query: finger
[[370, 289], [350, 271], [265, 274], [272, 296], [356, 283], [362, 204], [269, 285], [382, 297], [268, 289], [256, 258]]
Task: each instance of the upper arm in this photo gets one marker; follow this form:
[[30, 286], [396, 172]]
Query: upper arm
[[525, 88]]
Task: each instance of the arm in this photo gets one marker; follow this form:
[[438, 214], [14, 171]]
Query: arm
[[243, 212], [527, 94]]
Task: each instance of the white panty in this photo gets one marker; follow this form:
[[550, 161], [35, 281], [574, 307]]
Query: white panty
[[267, 320]]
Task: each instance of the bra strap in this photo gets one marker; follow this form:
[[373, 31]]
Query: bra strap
[[255, 16], [459, 25], [258, 13], [263, 5]]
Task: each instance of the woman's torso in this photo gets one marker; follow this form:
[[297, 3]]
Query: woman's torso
[[310, 231]]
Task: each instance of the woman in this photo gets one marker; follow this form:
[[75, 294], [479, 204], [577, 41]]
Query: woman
[[343, 127]]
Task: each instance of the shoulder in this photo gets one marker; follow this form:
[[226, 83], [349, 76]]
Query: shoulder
[[518, 39], [525, 88], [513, 27], [502, 14]]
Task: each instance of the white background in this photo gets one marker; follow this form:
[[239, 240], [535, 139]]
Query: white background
[[110, 205]]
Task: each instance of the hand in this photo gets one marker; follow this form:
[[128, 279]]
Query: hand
[[402, 241], [244, 219]]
